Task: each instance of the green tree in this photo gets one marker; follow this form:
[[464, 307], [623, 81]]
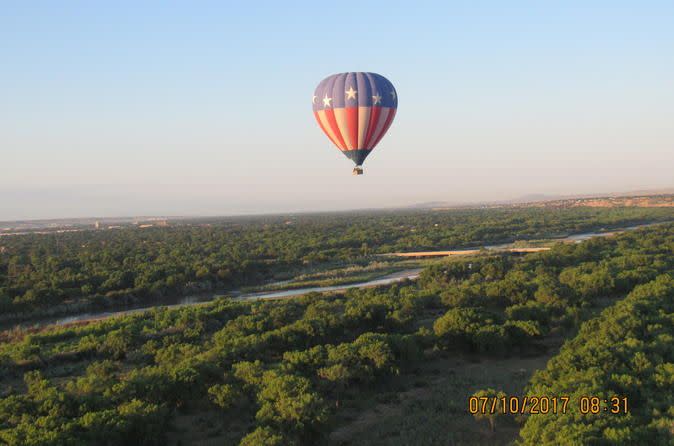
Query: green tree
[[225, 396], [288, 402], [490, 395], [265, 436]]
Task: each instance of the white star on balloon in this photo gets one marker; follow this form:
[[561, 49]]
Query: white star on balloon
[[393, 95], [351, 93], [326, 101], [313, 99], [377, 99]]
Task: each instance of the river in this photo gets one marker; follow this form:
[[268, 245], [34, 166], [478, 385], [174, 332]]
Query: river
[[384, 280]]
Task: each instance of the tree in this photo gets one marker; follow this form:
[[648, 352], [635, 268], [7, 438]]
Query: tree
[[265, 436], [249, 372], [486, 414], [458, 325], [117, 343], [287, 401], [337, 376], [224, 395]]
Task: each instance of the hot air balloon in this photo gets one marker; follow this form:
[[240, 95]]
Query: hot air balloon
[[355, 110]]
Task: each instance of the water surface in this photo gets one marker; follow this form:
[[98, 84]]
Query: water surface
[[174, 302]]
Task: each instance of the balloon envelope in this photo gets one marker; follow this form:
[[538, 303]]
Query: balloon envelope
[[355, 110]]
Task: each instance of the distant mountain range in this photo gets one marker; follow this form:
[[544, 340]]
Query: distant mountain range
[[647, 198], [641, 198]]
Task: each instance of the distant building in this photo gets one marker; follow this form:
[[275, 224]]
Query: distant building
[[97, 225]]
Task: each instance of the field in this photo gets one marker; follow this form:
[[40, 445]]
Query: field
[[392, 364], [59, 274]]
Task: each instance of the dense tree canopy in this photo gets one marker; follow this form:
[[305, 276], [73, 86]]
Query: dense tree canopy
[[278, 372], [71, 272], [628, 351]]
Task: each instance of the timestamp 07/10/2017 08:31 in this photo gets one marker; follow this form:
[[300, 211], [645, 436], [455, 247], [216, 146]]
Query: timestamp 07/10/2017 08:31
[[527, 405]]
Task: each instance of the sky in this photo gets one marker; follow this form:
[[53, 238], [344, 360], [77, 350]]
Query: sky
[[203, 108]]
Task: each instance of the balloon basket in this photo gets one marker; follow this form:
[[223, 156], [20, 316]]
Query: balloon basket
[[357, 170]]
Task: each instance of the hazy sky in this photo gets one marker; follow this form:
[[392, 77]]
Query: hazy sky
[[186, 108]]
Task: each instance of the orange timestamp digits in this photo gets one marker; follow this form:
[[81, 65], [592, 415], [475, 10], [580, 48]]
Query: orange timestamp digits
[[517, 405], [596, 405], [532, 405]]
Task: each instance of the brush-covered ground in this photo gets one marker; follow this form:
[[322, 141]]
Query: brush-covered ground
[[388, 365]]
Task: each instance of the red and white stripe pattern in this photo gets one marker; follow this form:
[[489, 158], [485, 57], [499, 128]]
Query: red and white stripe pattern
[[354, 128]]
